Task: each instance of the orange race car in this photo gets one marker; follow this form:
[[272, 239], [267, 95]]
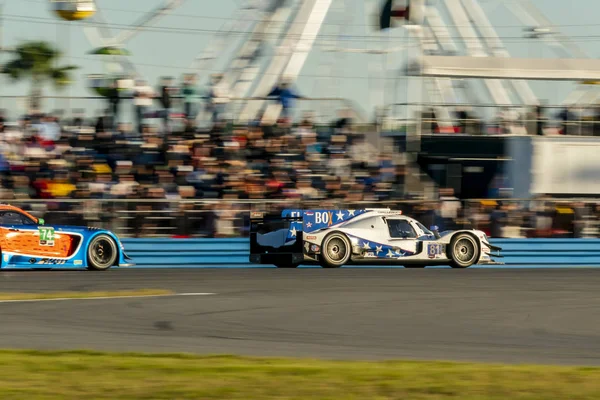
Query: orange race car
[[26, 242]]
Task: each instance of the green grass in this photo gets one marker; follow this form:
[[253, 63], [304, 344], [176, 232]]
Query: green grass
[[84, 295], [78, 375]]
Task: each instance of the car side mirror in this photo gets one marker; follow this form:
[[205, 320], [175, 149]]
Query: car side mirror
[[41, 221]]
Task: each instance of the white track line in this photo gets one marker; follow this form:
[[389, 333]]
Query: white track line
[[194, 294], [106, 297]]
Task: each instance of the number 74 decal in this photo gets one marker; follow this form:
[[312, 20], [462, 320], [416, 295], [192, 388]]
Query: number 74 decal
[[46, 236]]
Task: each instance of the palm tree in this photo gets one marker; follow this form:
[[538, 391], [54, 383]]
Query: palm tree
[[37, 61]]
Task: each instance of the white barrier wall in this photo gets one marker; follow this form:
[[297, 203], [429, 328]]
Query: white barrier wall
[[566, 165], [562, 165]]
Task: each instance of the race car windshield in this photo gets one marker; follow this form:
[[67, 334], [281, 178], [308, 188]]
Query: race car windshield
[[14, 218], [425, 230], [400, 228]]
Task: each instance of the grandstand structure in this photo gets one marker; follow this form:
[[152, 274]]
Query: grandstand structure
[[285, 32], [460, 55], [460, 60], [447, 69]]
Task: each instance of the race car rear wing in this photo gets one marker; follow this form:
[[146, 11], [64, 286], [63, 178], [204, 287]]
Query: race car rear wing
[[275, 240]]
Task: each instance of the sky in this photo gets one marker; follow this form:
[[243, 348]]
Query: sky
[[368, 80]]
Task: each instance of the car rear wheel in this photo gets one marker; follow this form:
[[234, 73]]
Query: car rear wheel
[[335, 251], [102, 253], [464, 251]]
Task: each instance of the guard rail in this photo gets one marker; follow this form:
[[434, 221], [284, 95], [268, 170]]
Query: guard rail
[[233, 252]]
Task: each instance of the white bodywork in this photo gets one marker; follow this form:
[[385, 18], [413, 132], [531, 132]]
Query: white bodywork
[[390, 237]]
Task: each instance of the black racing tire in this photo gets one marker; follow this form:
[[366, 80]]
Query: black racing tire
[[336, 250], [102, 253], [464, 250]]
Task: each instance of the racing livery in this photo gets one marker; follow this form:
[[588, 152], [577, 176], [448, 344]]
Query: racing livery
[[26, 242], [333, 238]]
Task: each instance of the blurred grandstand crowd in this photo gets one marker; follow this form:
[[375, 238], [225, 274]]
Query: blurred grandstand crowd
[[163, 176]]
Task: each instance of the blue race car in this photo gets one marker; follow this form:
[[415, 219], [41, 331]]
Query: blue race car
[[26, 242]]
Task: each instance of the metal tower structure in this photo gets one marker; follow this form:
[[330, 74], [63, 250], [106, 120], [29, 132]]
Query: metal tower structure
[[278, 35], [483, 56], [293, 26], [275, 47], [295, 46]]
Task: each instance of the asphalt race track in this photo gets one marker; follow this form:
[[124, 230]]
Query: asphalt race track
[[541, 316]]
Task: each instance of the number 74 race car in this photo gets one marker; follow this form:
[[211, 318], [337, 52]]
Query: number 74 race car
[[333, 238], [27, 242]]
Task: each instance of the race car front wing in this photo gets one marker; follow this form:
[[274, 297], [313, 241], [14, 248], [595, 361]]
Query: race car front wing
[[490, 261]]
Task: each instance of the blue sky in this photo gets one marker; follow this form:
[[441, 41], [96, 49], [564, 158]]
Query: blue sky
[[358, 77]]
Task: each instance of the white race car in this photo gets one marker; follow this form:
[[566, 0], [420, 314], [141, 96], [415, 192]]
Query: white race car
[[333, 238]]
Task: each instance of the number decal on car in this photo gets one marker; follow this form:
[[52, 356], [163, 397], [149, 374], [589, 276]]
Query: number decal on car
[[46, 236], [434, 249]]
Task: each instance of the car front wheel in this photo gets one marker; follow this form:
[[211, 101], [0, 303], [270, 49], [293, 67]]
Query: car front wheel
[[464, 250], [102, 253]]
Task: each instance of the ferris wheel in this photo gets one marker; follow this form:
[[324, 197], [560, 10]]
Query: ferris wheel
[[118, 68], [283, 32]]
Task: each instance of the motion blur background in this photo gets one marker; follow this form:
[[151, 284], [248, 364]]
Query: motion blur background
[[176, 118]]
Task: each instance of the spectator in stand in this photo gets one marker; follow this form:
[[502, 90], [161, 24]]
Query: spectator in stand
[[449, 206], [539, 117], [166, 101], [143, 96], [48, 130], [2, 121], [104, 122], [566, 115], [285, 96], [114, 98], [498, 221], [190, 96], [327, 167], [462, 118], [217, 98]]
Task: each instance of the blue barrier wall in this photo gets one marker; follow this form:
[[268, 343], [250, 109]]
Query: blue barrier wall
[[165, 253]]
